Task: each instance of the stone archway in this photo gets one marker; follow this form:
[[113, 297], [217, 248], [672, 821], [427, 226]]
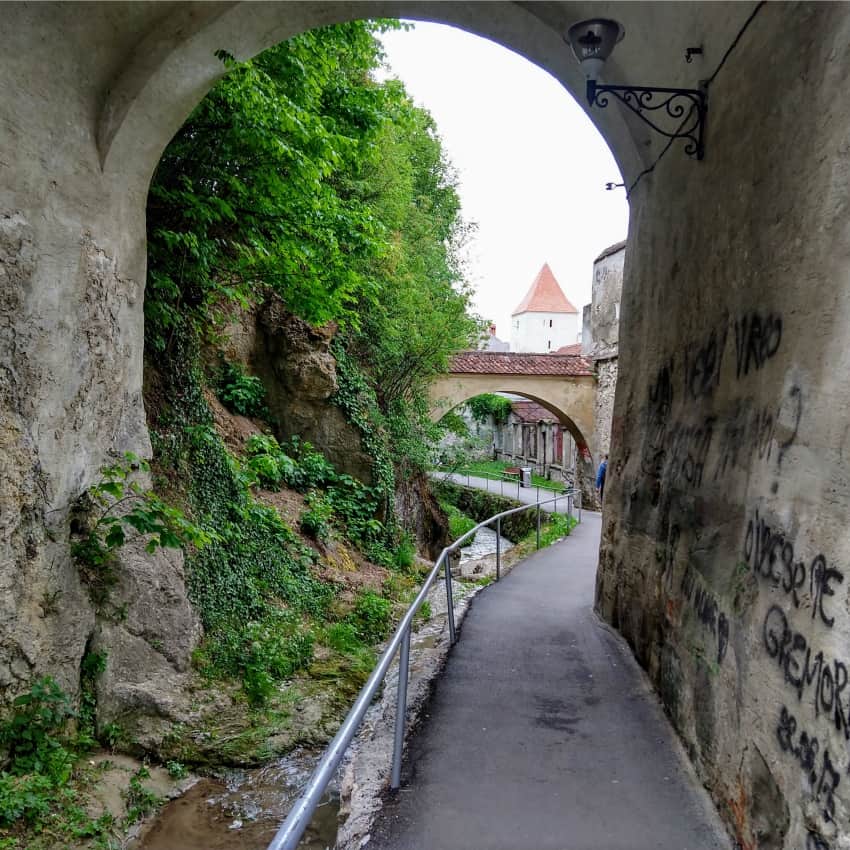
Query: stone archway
[[557, 397], [571, 402], [714, 431]]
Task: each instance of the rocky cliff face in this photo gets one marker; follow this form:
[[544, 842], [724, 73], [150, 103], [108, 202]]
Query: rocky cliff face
[[299, 372], [143, 623], [418, 511]]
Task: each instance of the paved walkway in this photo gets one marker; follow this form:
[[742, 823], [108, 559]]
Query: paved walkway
[[508, 489], [543, 733]]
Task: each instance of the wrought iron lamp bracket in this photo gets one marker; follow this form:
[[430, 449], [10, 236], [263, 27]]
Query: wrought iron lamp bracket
[[687, 106]]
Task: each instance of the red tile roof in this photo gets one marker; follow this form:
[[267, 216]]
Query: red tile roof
[[510, 363], [531, 411], [545, 296], [575, 348]]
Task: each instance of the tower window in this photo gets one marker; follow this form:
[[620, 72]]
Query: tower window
[[550, 323]]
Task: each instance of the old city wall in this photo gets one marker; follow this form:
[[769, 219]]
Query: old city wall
[[726, 558], [603, 406]]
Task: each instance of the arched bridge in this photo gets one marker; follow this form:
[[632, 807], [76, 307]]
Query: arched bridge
[[562, 383]]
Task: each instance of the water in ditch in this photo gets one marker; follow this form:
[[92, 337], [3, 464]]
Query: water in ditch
[[479, 557], [242, 810]]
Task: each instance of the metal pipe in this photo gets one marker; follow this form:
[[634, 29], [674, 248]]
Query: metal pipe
[[498, 548], [538, 523], [400, 710], [450, 607]]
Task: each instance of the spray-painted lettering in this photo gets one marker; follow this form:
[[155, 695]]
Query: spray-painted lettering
[[771, 555], [807, 671]]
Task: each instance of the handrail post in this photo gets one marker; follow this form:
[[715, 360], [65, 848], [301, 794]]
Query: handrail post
[[450, 608], [538, 523], [498, 548], [400, 709], [555, 508], [502, 486]]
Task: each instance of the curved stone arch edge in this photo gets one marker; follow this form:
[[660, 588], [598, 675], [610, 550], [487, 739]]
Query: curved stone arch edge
[[440, 407], [174, 66]]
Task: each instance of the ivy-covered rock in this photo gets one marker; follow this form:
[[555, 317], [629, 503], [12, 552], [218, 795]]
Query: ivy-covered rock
[[481, 505]]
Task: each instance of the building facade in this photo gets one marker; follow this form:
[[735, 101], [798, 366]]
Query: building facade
[[534, 437]]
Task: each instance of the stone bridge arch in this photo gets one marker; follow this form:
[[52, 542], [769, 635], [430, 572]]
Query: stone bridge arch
[[564, 385], [570, 402]]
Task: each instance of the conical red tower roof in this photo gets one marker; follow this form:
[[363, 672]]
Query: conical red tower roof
[[545, 296]]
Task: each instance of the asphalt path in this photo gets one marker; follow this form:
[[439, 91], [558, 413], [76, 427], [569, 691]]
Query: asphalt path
[[543, 733], [508, 489]]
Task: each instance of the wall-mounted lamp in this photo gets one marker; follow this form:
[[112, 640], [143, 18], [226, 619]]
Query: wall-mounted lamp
[[592, 42]]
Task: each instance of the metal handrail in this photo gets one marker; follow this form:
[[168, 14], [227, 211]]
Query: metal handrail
[[502, 478], [298, 819]]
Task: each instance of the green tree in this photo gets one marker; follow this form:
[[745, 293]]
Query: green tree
[[259, 187]]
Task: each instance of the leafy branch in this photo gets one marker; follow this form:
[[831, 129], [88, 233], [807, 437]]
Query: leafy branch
[[165, 525]]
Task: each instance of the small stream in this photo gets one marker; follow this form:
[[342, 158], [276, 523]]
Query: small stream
[[483, 545], [242, 810]]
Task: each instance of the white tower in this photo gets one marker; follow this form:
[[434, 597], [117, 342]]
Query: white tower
[[545, 320]]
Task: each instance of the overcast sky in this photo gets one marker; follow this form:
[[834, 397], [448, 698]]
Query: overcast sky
[[532, 167]]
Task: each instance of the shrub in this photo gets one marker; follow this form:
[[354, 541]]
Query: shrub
[[459, 522], [241, 393], [405, 553], [33, 733], [343, 637], [315, 521], [176, 770], [40, 761], [490, 404], [314, 470], [371, 617], [28, 797], [274, 650], [271, 465]]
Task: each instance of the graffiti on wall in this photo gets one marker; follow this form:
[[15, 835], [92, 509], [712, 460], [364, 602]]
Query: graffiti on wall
[[692, 447]]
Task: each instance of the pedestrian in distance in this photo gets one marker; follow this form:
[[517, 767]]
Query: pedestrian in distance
[[600, 476]]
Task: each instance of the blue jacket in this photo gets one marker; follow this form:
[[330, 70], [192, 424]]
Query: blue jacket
[[600, 475]]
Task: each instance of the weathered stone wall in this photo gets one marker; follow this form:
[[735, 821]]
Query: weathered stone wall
[[601, 330], [72, 260], [603, 414], [601, 336], [725, 551]]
